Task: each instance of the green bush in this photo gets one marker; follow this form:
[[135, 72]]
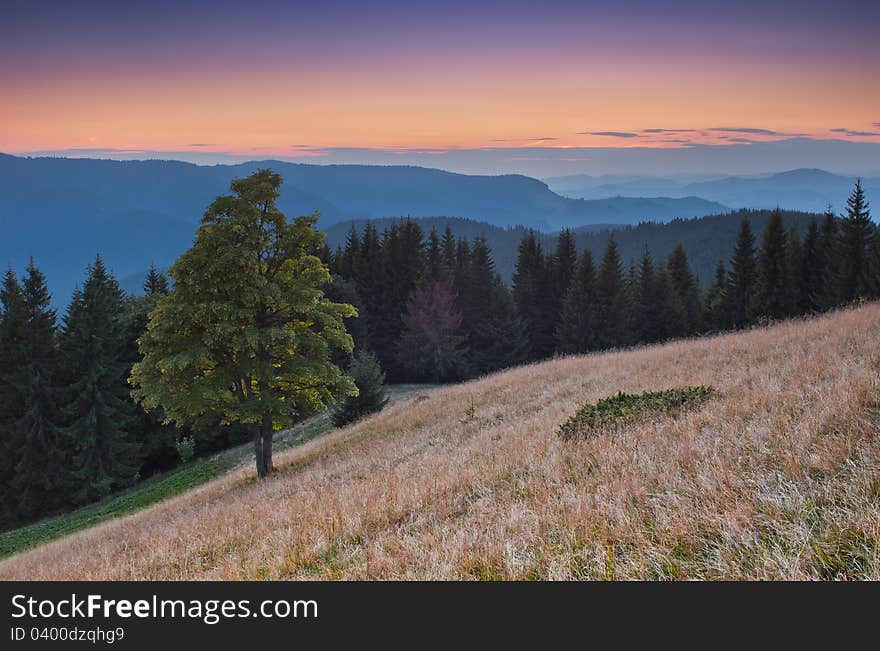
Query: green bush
[[627, 407], [372, 397], [186, 448]]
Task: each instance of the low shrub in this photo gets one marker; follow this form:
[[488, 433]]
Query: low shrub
[[627, 407]]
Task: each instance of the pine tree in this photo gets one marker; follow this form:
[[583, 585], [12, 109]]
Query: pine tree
[[611, 300], [41, 472], [714, 304], [798, 294], [575, 332], [448, 250], [773, 294], [561, 269], [156, 282], [432, 345], [434, 268], [739, 295], [647, 327], [99, 409], [854, 279], [825, 293], [367, 375], [811, 273], [533, 296], [496, 336], [686, 291], [13, 326]]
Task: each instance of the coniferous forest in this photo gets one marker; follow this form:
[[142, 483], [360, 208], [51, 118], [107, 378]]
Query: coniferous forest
[[431, 308]]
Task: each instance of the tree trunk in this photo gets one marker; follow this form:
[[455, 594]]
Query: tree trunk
[[267, 442], [259, 453]]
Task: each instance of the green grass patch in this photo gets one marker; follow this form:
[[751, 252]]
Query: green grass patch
[[623, 408]]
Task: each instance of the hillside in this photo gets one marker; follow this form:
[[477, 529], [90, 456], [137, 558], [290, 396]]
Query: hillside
[[774, 478], [65, 211]]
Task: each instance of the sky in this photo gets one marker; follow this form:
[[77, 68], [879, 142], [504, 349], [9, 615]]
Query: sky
[[406, 81]]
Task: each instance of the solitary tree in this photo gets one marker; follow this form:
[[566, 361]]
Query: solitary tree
[[246, 332]]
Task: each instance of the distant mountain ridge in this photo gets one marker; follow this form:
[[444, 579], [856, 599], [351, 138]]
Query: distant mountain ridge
[[799, 189], [63, 211]]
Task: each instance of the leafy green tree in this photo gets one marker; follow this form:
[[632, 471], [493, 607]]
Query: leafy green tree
[[854, 278], [575, 332], [246, 333], [740, 292], [98, 407], [371, 396]]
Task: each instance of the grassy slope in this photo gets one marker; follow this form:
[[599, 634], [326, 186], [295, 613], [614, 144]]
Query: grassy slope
[[166, 485], [776, 477]]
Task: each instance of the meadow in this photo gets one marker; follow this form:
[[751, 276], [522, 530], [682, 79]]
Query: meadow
[[777, 476]]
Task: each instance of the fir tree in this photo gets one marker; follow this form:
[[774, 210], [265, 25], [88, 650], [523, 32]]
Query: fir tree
[[434, 268], [575, 332], [796, 281], [533, 296], [99, 409], [812, 269], [496, 336], [686, 291], [773, 292], [432, 346], [611, 322], [40, 480], [367, 375], [714, 304], [561, 269], [156, 282], [854, 278], [739, 295], [13, 327]]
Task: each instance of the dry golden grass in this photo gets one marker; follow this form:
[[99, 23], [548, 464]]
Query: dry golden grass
[[777, 477]]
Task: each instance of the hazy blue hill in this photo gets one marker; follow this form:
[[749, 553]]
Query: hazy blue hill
[[800, 189], [63, 211]]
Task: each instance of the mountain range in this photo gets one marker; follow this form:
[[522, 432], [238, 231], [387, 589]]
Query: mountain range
[[810, 190], [65, 211]]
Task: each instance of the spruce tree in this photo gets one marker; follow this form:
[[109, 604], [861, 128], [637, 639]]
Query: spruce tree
[[796, 282], [854, 279], [647, 327], [156, 283], [575, 332], [13, 326], [740, 291], [686, 291], [812, 272], [533, 296], [611, 300], [773, 295], [714, 303], [826, 293], [495, 334], [367, 375], [434, 268], [432, 345], [99, 408], [561, 269], [40, 480]]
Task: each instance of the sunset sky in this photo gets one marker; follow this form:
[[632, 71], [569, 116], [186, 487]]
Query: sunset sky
[[290, 79]]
